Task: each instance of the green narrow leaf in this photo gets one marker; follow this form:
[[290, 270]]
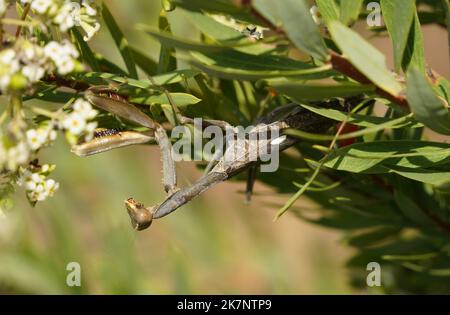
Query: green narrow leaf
[[350, 10], [108, 66], [220, 33], [378, 157], [167, 61], [427, 176], [361, 120], [300, 91], [411, 209], [238, 65], [365, 57], [212, 28], [173, 41], [414, 53], [328, 9], [426, 105], [216, 6], [181, 99], [372, 237], [399, 17], [296, 20], [86, 53], [120, 41], [147, 64]]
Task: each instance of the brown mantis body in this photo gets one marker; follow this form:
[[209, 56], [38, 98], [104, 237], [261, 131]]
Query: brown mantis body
[[285, 117]]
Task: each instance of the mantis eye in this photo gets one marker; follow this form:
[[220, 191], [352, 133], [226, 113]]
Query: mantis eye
[[251, 28], [141, 217]]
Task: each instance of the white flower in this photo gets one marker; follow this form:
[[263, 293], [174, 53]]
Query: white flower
[[30, 52], [33, 72], [89, 10], [7, 55], [17, 156], [65, 17], [51, 187], [90, 30], [41, 6], [52, 50], [316, 14], [65, 65], [3, 6], [39, 193], [85, 109], [4, 82], [38, 138], [36, 184], [90, 130], [69, 49], [34, 140], [74, 123], [52, 135], [45, 168], [37, 178]]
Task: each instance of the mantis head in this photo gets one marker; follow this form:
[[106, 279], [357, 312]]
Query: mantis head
[[141, 217]]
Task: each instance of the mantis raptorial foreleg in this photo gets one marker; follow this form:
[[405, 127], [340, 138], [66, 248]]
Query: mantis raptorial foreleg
[[110, 139], [106, 99]]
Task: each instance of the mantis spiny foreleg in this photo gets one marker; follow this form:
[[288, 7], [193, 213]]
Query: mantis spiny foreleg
[[106, 99]]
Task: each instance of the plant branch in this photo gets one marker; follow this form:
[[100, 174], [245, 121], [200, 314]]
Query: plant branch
[[23, 17]]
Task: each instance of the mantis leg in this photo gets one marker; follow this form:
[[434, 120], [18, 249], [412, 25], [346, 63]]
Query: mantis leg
[[251, 178], [169, 171]]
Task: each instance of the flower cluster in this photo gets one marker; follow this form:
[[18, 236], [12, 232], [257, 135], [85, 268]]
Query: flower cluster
[[16, 150], [38, 138], [18, 146], [79, 124], [35, 180], [26, 63], [66, 14]]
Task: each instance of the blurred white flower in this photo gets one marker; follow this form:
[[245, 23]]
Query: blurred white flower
[[66, 16], [37, 138], [65, 66], [17, 156], [33, 139], [84, 108], [51, 186], [315, 13], [41, 6], [33, 72], [3, 6], [62, 55], [90, 30], [90, 131], [74, 123], [38, 187]]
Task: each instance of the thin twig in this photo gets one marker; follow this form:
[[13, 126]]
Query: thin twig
[[23, 17]]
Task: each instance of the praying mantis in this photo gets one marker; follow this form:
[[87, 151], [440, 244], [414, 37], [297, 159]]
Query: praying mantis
[[291, 116]]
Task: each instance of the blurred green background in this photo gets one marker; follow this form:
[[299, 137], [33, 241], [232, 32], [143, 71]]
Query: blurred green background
[[214, 245]]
